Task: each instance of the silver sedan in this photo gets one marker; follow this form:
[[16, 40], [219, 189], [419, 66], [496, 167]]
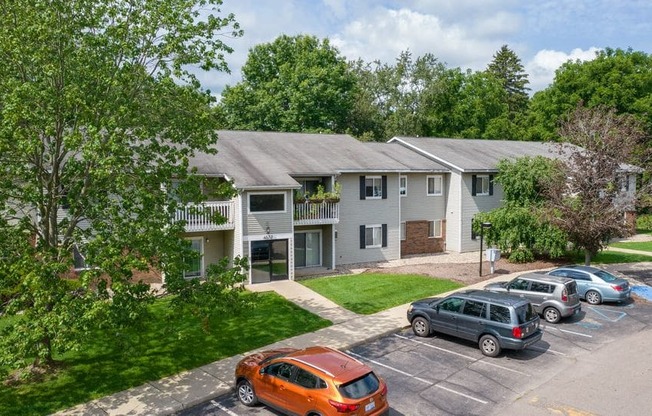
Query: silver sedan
[[595, 285]]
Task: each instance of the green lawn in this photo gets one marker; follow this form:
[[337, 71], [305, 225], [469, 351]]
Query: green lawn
[[369, 293], [168, 345], [611, 257], [635, 245]]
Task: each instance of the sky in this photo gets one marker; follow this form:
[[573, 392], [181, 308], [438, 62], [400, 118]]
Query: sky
[[461, 34]]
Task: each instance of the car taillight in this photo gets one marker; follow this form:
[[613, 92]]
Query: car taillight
[[383, 392], [343, 407], [564, 295], [618, 288], [516, 332]]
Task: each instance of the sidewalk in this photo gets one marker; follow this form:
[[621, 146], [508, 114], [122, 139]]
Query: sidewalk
[[184, 390]]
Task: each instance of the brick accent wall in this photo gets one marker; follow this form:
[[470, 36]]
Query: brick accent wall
[[417, 240]]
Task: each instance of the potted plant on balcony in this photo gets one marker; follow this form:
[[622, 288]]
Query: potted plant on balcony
[[334, 195], [300, 197], [318, 196]]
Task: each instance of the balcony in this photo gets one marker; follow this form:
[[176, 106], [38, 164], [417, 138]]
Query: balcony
[[315, 213], [202, 217]]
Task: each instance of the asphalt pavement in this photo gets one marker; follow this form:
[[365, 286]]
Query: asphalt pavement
[[184, 390]]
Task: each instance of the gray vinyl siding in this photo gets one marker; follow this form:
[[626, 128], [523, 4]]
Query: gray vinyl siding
[[471, 206], [355, 212], [417, 205], [278, 222], [454, 212]]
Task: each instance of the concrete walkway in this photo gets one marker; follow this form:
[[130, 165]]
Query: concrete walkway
[[184, 390]]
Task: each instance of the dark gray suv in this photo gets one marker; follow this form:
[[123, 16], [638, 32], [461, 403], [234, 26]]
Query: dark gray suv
[[552, 297], [495, 321]]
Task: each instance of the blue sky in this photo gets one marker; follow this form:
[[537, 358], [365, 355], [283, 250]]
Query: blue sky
[[460, 33]]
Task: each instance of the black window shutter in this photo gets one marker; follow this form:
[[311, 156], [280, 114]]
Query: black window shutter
[[384, 235], [362, 188], [473, 180], [491, 184], [384, 186], [363, 243]]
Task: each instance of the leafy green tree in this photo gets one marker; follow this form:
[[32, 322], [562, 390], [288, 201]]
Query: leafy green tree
[[616, 78], [98, 115], [506, 66], [519, 226], [584, 198], [296, 83], [412, 97]]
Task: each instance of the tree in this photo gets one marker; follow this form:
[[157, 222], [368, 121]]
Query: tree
[[296, 84], [616, 78], [98, 115], [506, 66], [519, 226], [413, 97], [583, 197]]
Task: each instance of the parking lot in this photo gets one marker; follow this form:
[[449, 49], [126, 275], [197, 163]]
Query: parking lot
[[441, 375]]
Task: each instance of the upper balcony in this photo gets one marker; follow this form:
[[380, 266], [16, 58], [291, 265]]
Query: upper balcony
[[202, 217], [316, 213]]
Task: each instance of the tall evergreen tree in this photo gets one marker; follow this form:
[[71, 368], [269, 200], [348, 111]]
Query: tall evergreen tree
[[507, 67]]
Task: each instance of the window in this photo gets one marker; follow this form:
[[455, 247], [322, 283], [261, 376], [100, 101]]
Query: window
[[402, 185], [281, 370], [194, 265], [434, 185], [267, 202], [541, 287], [403, 231], [373, 187], [434, 229], [499, 314], [373, 236], [519, 284], [482, 185], [79, 259], [451, 305], [308, 380], [474, 308]]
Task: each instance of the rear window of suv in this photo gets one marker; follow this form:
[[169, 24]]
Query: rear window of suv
[[360, 387], [525, 313]]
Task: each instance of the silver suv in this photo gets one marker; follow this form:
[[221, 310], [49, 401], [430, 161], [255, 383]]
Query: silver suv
[[552, 297]]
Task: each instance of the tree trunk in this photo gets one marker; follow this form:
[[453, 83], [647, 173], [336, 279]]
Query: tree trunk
[[587, 257]]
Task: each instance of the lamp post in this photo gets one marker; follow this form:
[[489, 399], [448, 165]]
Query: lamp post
[[484, 225]]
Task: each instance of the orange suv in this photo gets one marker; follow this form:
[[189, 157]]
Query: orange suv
[[316, 381]]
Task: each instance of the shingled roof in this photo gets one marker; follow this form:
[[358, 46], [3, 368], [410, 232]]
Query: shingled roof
[[270, 159]]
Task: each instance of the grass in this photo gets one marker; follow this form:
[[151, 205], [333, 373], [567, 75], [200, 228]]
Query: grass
[[611, 257], [369, 293], [167, 345], [635, 245]]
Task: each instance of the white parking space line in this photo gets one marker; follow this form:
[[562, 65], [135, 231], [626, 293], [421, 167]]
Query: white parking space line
[[568, 332], [532, 347], [459, 393], [461, 355], [222, 408]]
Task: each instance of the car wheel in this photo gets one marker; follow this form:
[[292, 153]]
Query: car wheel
[[551, 315], [420, 326], [246, 393], [593, 297], [489, 346]]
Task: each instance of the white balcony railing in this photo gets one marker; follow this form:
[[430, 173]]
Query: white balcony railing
[[311, 213], [202, 217]]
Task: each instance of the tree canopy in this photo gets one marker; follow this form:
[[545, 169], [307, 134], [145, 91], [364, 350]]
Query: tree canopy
[[295, 84], [98, 115]]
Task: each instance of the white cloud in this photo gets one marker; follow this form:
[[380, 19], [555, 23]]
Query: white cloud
[[542, 67]]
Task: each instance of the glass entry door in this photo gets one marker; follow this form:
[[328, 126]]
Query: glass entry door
[[307, 249], [269, 260]]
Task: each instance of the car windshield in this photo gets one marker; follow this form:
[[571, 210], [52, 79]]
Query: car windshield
[[525, 313], [360, 387], [606, 276]]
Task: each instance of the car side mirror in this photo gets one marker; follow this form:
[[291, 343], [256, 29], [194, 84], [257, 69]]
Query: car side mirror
[[263, 370]]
